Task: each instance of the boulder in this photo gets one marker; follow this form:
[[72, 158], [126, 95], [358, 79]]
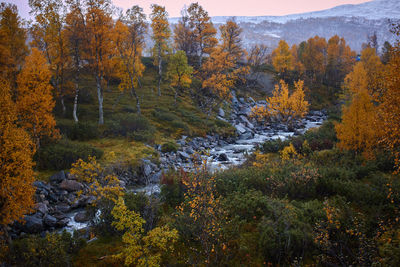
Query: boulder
[[223, 157], [71, 185], [42, 207], [183, 155], [33, 224], [246, 136], [50, 220], [155, 178], [221, 112], [58, 177], [240, 128], [81, 216], [63, 208], [62, 222]]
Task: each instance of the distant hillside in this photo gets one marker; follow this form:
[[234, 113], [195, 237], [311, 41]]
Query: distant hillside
[[353, 22]]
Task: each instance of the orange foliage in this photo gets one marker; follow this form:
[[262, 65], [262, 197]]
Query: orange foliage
[[282, 105], [35, 101], [282, 58], [12, 42], [16, 174]]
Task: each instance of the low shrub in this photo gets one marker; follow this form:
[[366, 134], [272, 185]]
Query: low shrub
[[61, 155], [81, 131], [169, 147], [127, 124]]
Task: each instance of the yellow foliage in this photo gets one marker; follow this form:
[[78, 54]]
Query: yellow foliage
[[282, 57], [16, 174], [35, 101], [281, 104], [288, 153], [101, 184], [141, 249]]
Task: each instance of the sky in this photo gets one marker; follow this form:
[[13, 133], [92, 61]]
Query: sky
[[224, 7]]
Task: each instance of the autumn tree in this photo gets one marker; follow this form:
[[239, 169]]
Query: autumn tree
[[386, 50], [129, 42], [34, 100], [74, 34], [183, 35], [282, 58], [140, 248], [297, 65], [203, 31], [201, 211], [16, 174], [313, 58], [257, 56], [49, 37], [98, 44], [283, 105], [374, 68], [161, 34], [232, 41], [389, 108], [179, 72], [340, 60], [13, 47]]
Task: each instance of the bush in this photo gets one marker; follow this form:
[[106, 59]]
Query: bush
[[165, 115], [127, 124], [274, 146], [169, 147], [143, 136], [81, 131], [61, 155], [51, 250]]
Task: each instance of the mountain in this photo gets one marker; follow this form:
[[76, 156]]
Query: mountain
[[353, 22]]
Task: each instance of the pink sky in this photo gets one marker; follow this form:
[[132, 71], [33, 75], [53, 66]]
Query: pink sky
[[225, 7]]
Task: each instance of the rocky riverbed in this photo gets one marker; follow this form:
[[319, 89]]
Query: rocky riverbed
[[59, 206]]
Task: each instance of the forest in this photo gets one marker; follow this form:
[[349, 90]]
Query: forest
[[189, 149]]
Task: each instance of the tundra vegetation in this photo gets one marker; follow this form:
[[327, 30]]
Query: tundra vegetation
[[79, 94]]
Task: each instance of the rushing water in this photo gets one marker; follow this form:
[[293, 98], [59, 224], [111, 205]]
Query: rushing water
[[235, 152]]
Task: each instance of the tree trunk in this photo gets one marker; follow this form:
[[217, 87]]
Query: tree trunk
[[64, 109], [76, 102], [159, 70], [200, 58], [100, 98]]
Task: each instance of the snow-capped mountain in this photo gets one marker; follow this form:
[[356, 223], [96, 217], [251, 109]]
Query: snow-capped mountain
[[353, 22]]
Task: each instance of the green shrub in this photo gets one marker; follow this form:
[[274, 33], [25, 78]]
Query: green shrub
[[61, 155], [81, 131], [143, 136], [169, 147], [51, 250], [127, 124], [274, 146], [165, 115]]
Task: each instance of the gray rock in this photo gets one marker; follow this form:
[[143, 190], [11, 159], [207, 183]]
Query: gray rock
[[33, 224], [246, 136], [42, 186], [58, 177], [71, 185], [221, 112], [183, 155], [189, 150], [62, 222], [63, 208], [147, 170], [82, 216], [223, 157], [155, 178], [50, 220], [240, 129], [42, 207]]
